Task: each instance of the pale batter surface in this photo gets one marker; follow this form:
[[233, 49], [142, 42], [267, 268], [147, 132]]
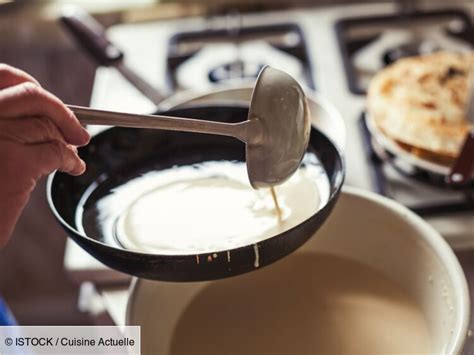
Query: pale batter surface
[[208, 208], [304, 304]]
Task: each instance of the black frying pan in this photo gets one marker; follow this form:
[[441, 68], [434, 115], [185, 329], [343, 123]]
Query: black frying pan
[[120, 154]]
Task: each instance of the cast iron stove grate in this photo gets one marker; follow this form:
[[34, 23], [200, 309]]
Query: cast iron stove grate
[[285, 37]]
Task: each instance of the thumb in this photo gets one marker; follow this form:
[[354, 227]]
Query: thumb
[[47, 157]]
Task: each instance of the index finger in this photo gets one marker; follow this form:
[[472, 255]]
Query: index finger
[[28, 99], [11, 76]]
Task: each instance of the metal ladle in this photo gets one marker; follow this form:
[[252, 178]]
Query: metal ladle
[[276, 131]]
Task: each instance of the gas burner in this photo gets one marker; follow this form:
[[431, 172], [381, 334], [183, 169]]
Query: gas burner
[[369, 43], [409, 49], [394, 178], [200, 59], [236, 70]]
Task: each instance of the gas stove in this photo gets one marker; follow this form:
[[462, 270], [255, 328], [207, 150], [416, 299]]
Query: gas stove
[[187, 54]]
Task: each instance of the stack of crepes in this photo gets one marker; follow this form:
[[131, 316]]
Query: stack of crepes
[[419, 102]]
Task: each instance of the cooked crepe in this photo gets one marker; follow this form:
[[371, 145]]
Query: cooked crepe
[[420, 101]]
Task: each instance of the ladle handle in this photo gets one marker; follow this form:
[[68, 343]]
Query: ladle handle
[[120, 119]]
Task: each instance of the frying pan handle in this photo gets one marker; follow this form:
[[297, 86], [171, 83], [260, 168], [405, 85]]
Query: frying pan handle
[[91, 36], [463, 168]]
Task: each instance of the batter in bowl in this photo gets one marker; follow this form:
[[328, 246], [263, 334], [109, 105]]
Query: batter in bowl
[[305, 304]]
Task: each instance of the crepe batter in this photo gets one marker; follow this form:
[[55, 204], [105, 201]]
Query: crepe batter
[[208, 207], [305, 304], [275, 201]]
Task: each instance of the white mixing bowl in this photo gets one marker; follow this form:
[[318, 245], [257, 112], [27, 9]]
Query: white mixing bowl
[[365, 228]]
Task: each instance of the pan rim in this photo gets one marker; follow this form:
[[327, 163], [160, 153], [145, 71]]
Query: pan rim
[[392, 147], [333, 194]]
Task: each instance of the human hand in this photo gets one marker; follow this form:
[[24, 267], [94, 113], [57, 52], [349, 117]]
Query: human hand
[[38, 134]]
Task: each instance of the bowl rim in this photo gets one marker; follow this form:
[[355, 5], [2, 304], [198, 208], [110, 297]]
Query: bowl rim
[[337, 133], [432, 238]]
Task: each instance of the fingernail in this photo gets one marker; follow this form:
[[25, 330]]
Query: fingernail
[[86, 136], [80, 169], [83, 167]]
